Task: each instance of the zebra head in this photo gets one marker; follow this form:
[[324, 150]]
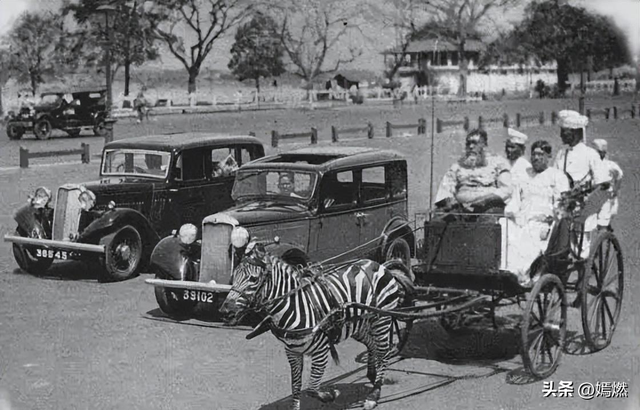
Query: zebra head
[[248, 279]]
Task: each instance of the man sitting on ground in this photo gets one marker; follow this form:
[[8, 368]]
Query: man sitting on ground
[[479, 182]]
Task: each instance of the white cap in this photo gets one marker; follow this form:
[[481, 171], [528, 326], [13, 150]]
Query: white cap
[[572, 119], [600, 144], [516, 136]]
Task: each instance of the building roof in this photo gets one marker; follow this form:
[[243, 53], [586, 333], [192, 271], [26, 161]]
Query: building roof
[[430, 45], [168, 142], [322, 159]]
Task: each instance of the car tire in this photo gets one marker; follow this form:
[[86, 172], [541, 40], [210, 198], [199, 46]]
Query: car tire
[[14, 131], [73, 132], [42, 129], [26, 261], [171, 304], [99, 129], [123, 255], [398, 249]]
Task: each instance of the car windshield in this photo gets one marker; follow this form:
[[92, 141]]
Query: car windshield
[[150, 164], [50, 99], [273, 184]]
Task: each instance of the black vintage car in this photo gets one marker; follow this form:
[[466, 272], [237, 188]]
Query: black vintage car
[[67, 111], [147, 187]]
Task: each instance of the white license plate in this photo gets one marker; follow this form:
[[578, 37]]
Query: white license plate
[[51, 254], [198, 296]]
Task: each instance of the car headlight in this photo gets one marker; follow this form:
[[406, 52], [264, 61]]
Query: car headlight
[[188, 233], [40, 198], [240, 237], [87, 199]]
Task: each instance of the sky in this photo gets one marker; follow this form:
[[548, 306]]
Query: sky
[[626, 13]]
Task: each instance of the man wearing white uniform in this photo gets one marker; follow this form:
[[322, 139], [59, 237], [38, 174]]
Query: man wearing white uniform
[[581, 163], [515, 149], [533, 209], [610, 208]]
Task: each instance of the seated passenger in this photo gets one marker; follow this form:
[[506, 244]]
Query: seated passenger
[[478, 182], [533, 208], [286, 187]]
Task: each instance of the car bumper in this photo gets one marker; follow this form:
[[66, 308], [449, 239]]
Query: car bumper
[[57, 245], [181, 284]]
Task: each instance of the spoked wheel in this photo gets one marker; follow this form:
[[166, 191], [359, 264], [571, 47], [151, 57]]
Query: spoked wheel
[[544, 326], [42, 129], [123, 255], [399, 249], [14, 131], [601, 291], [172, 303], [399, 335]]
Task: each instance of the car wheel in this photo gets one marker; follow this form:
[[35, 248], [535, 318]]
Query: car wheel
[[26, 261], [42, 129], [123, 255], [73, 132], [399, 249], [171, 302], [14, 131], [100, 129]]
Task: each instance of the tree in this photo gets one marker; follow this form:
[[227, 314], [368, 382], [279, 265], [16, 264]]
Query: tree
[[204, 21], [458, 21], [257, 52], [5, 72], [309, 30], [569, 35], [39, 47], [130, 34]]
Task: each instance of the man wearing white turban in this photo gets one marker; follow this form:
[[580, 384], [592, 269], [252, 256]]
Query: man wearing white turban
[[515, 149], [610, 208]]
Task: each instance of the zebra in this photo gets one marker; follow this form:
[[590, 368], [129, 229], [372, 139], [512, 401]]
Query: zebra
[[298, 305]]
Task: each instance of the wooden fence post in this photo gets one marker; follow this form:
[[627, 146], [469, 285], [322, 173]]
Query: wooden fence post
[[370, 131], [518, 120], [480, 122], [606, 113], [85, 156], [615, 113], [633, 111], [505, 121], [314, 135], [334, 134], [389, 130], [24, 158], [422, 126], [438, 125], [541, 117], [554, 117], [466, 125], [589, 113], [274, 138]]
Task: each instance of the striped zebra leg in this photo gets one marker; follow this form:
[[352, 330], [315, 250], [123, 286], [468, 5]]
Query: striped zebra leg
[[380, 330], [296, 361], [319, 361], [366, 339]]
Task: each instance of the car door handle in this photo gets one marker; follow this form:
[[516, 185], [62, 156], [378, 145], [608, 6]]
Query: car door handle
[[360, 215], [173, 190]]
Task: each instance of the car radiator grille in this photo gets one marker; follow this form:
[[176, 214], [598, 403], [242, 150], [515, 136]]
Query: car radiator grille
[[216, 263], [66, 218]]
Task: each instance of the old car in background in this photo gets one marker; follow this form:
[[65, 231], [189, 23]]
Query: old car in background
[[147, 187], [322, 204], [67, 111]]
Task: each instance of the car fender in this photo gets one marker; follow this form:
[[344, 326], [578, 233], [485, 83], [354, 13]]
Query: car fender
[[173, 260], [397, 226], [33, 222], [113, 220], [288, 252]]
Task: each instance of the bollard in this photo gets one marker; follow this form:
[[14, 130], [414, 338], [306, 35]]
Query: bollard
[[541, 117], [606, 113], [518, 120], [334, 134], [615, 113], [589, 113], [85, 156], [422, 126], [24, 158], [554, 117], [480, 122], [633, 111], [252, 134], [438, 125], [314, 135], [389, 130], [505, 121], [466, 124], [274, 138], [370, 131], [108, 126]]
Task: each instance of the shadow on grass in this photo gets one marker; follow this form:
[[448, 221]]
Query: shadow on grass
[[65, 270]]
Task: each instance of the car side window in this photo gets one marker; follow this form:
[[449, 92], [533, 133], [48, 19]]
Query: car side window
[[246, 155], [373, 187], [338, 191], [223, 162], [397, 180], [190, 165]]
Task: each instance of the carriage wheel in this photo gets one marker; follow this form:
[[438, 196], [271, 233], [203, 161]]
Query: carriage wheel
[[399, 335], [544, 326], [601, 291]]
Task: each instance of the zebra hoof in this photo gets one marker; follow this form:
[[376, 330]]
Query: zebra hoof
[[370, 404]]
